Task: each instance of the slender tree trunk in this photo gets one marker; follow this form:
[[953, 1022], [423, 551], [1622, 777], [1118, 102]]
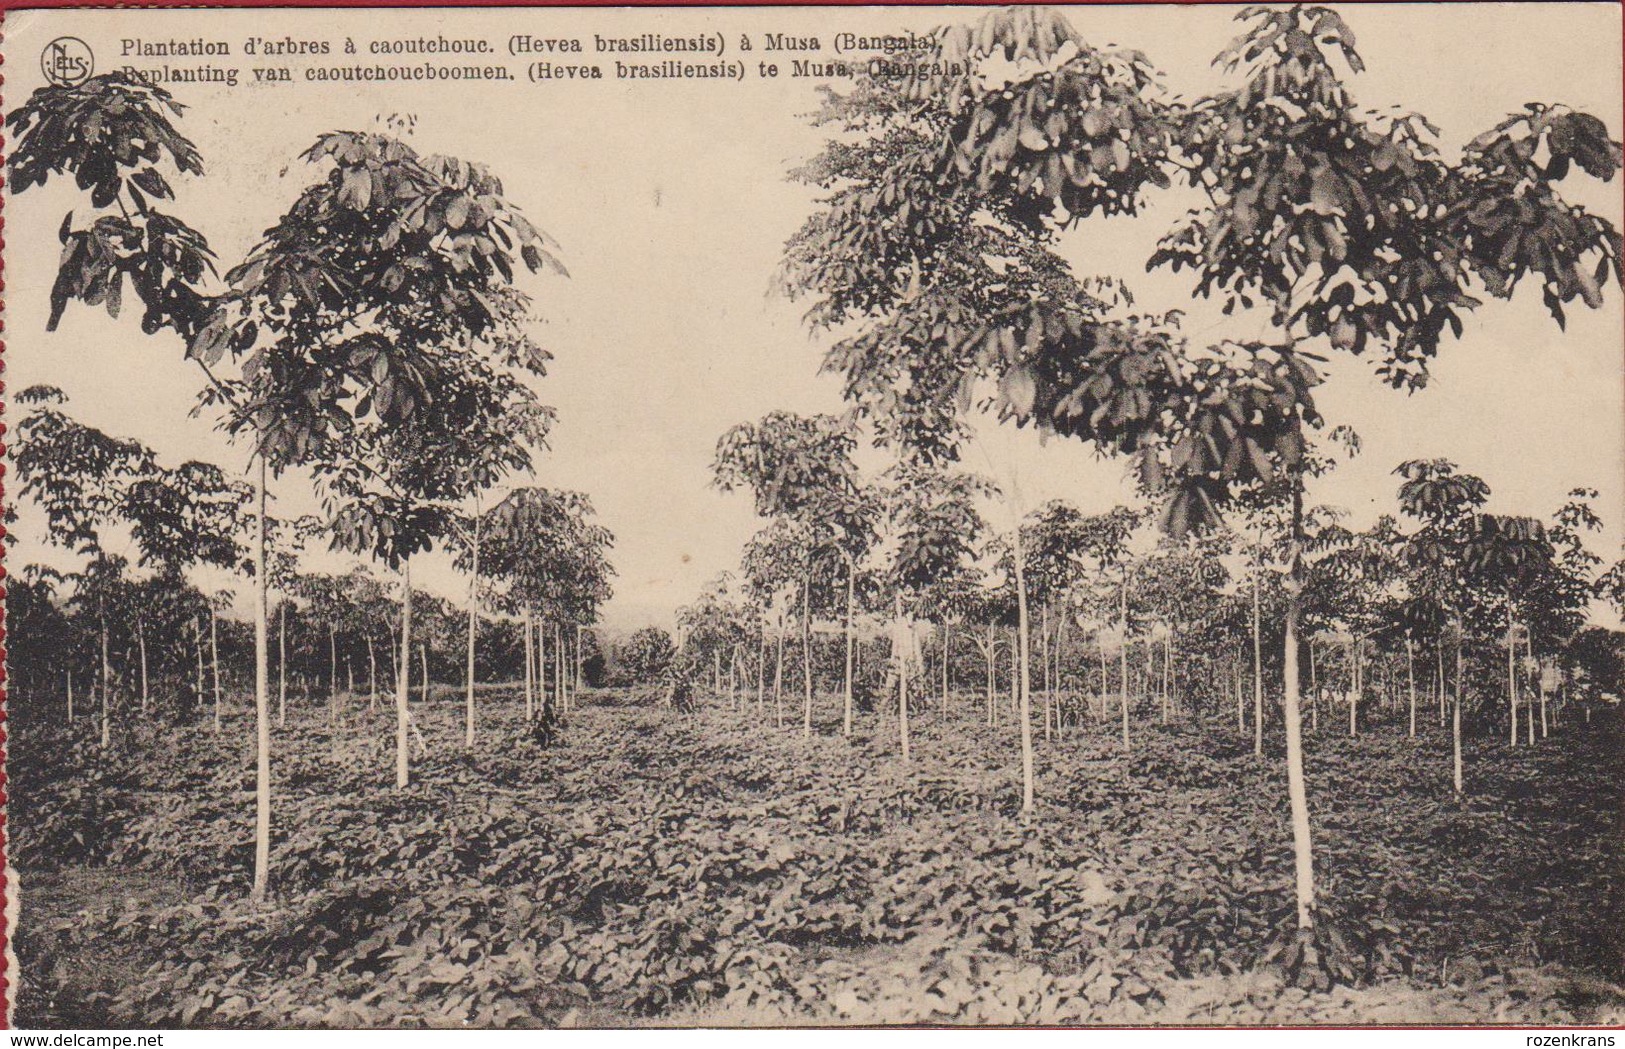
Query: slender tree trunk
[[1354, 685], [1043, 659], [946, 641], [332, 659], [1258, 662], [1151, 690], [1015, 673], [806, 657], [1122, 655], [544, 694], [282, 663], [1297, 789], [262, 698], [1105, 681], [197, 637], [214, 660], [851, 605], [403, 683], [1528, 702], [473, 626], [141, 642], [1540, 687], [1512, 676], [107, 688], [1438, 659], [1241, 710], [1455, 728], [778, 675], [1024, 661], [1314, 690], [372, 675], [761, 671], [1410, 671], [1055, 666], [558, 667], [530, 662], [1170, 701], [992, 675], [900, 657], [566, 676], [423, 662]]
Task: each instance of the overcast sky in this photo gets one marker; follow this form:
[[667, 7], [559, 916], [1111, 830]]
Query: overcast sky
[[672, 207]]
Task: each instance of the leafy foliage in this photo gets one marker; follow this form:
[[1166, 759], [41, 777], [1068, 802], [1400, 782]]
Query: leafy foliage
[[658, 866], [115, 135], [79, 476], [645, 655]]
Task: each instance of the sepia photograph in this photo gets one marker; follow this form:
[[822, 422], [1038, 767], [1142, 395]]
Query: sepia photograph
[[1100, 515]]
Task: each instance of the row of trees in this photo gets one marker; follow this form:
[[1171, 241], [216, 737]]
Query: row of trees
[[175, 650], [933, 258], [375, 339], [545, 565], [1441, 582]]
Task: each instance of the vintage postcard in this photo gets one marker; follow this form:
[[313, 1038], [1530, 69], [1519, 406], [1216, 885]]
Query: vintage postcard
[[815, 516]]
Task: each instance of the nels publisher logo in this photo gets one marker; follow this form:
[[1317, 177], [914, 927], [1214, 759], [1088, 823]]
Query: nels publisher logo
[[67, 61]]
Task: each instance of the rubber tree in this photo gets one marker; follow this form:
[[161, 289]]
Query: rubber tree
[[646, 654], [1359, 570], [1414, 617], [800, 468], [1341, 227], [1105, 539], [368, 329], [489, 453], [394, 491], [191, 516], [42, 641], [1444, 504], [284, 542], [126, 238], [579, 583], [580, 578], [77, 475], [373, 613], [1350, 228], [949, 600], [1609, 587], [932, 531], [1558, 601], [543, 549], [326, 605], [773, 566], [80, 478], [102, 594], [991, 610], [1178, 583], [714, 625], [1505, 556], [1053, 547]]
